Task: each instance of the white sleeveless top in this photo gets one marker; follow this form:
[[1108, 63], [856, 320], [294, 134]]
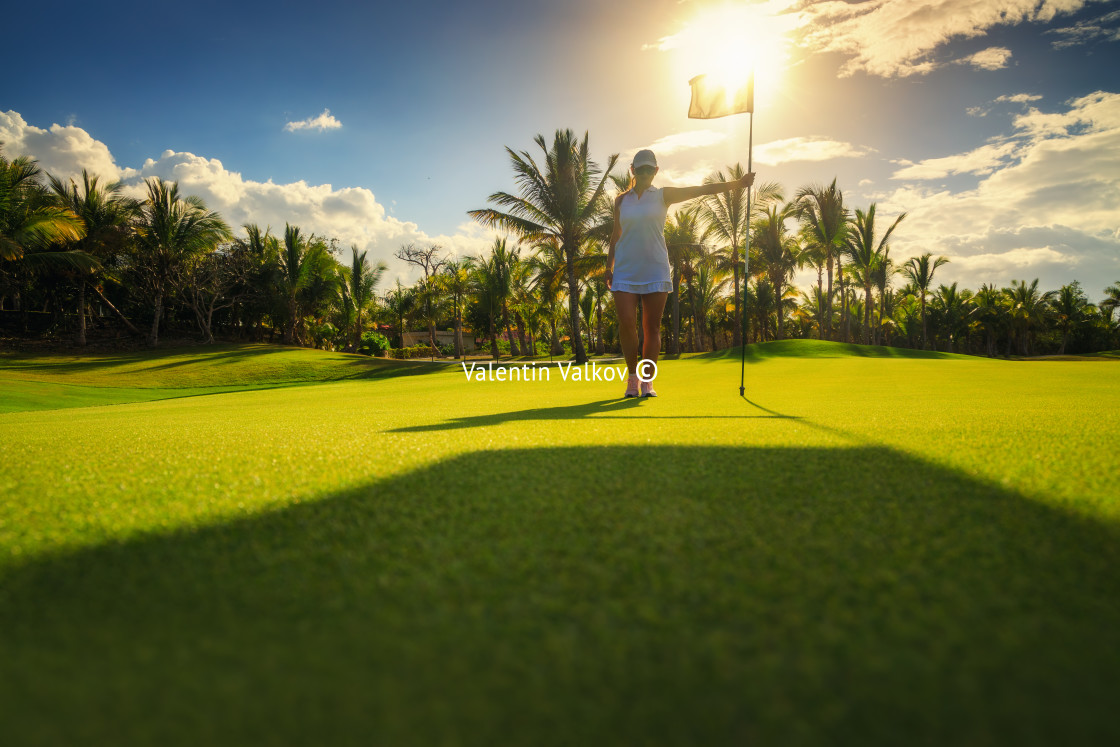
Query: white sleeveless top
[[641, 260]]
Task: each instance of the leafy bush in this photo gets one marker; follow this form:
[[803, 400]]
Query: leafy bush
[[373, 343], [414, 351]]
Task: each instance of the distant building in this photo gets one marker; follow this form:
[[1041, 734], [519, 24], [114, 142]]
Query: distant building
[[443, 337]]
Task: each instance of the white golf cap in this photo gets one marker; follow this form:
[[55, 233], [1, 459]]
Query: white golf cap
[[644, 157]]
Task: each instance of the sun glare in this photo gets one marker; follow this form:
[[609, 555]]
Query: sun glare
[[727, 41]]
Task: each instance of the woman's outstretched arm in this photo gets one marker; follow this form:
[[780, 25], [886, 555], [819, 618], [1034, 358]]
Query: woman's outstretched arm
[[683, 194]]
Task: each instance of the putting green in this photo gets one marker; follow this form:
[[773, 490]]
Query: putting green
[[873, 546]]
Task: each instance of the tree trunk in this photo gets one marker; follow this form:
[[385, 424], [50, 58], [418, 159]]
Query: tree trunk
[[573, 306], [828, 300], [925, 333], [737, 334], [778, 292], [867, 315], [81, 313], [494, 351], [460, 349], [675, 338], [600, 346], [557, 347], [153, 338], [432, 338]]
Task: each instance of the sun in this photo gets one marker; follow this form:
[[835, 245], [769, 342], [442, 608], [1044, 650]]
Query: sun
[[729, 40]]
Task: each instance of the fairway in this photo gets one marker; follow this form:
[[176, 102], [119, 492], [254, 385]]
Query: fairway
[[261, 545]]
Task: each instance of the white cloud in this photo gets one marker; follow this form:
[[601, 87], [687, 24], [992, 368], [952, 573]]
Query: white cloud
[[992, 58], [983, 160], [61, 150], [807, 149], [1017, 98], [897, 38], [1103, 28], [353, 215], [1045, 206], [324, 121], [682, 141]]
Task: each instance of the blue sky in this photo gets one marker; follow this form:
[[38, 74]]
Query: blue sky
[[999, 135]]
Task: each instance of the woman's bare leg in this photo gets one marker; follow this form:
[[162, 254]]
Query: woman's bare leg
[[626, 304], [653, 307]]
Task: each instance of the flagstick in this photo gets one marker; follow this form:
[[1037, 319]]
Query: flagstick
[[746, 259]]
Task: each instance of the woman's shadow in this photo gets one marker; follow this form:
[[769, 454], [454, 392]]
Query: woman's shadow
[[625, 408]]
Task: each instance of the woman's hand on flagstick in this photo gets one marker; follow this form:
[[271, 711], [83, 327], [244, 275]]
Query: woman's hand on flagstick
[[747, 180]]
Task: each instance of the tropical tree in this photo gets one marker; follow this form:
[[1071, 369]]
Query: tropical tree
[[456, 277], [400, 302], [952, 308], [107, 217], [726, 220], [490, 284], [988, 310], [882, 272], [778, 255], [919, 271], [682, 240], [1111, 297], [361, 282], [302, 259], [429, 291], [170, 231], [866, 253], [709, 286], [32, 227], [557, 201], [1070, 308], [1028, 307], [821, 211], [549, 271]]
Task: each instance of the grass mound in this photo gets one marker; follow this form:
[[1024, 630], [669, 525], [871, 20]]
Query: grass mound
[[39, 382], [822, 349]]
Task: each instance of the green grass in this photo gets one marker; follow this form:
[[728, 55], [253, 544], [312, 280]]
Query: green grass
[[870, 549]]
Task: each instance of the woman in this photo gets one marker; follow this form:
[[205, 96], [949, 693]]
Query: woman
[[642, 266]]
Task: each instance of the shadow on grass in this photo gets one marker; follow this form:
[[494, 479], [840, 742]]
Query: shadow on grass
[[612, 408], [615, 595]]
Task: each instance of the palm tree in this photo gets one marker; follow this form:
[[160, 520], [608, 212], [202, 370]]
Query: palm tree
[[400, 303], [429, 306], [1070, 308], [31, 225], [821, 210], [987, 310], [1028, 307], [1111, 297], [778, 254], [882, 272], [559, 201], [297, 257], [360, 285], [456, 284], [725, 218], [919, 271], [169, 231], [709, 286], [107, 216], [29, 218], [682, 240], [549, 269], [952, 308], [491, 285], [865, 252]]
